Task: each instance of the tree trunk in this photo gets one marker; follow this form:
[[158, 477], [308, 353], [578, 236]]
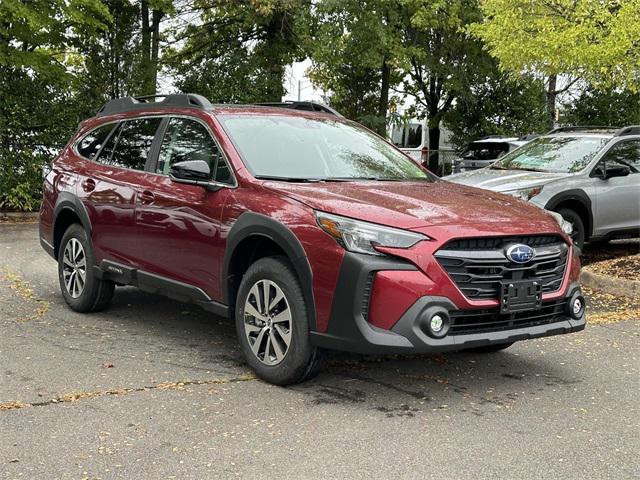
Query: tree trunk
[[434, 145], [383, 105], [551, 100], [145, 46], [155, 47]]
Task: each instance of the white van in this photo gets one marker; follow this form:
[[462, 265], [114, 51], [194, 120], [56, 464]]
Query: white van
[[412, 138]]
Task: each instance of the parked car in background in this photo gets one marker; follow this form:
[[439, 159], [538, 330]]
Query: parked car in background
[[590, 176], [306, 229], [482, 153]]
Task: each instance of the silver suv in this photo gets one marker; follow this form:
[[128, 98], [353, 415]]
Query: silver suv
[[589, 175]]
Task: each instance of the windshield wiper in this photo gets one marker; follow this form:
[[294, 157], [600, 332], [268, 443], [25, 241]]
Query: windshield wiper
[[493, 167], [530, 169], [288, 179]]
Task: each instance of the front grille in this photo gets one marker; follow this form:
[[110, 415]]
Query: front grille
[[479, 265], [493, 243], [465, 322]]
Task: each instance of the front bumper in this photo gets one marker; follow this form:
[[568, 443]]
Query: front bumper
[[349, 330]]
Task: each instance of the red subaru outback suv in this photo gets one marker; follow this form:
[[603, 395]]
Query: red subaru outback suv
[[310, 231]]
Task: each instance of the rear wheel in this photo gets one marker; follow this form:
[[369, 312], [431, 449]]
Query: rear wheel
[[272, 323], [578, 235], [81, 289], [489, 348]]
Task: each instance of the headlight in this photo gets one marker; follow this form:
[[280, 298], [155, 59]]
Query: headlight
[[525, 193], [362, 237], [567, 227]]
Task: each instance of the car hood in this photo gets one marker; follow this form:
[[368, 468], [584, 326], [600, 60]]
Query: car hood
[[419, 204], [505, 180]]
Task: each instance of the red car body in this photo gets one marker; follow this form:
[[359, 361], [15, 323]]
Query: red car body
[[140, 221]]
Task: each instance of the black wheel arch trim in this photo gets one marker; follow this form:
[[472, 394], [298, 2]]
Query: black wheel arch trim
[[69, 201], [573, 195], [254, 224]]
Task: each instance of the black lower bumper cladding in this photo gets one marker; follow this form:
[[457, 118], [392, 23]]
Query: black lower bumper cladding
[[349, 330]]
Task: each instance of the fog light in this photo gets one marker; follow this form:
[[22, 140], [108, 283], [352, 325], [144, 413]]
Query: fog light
[[437, 322], [576, 306]]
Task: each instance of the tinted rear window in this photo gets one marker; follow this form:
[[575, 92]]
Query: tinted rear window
[[133, 144], [91, 143]]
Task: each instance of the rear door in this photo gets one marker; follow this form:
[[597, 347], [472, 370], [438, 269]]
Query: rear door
[[618, 199], [108, 188], [179, 225]]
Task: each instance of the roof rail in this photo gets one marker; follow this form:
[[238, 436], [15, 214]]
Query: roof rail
[[580, 128], [128, 104], [630, 130], [308, 106]]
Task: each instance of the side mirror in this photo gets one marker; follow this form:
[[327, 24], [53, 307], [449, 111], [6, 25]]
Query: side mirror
[[193, 172], [616, 170]]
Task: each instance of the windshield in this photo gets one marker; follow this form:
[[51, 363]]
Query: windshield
[[553, 154], [299, 148], [485, 151]]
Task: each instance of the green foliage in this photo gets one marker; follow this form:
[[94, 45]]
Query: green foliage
[[241, 49], [499, 105], [351, 48], [608, 108], [36, 107], [108, 63], [596, 40]]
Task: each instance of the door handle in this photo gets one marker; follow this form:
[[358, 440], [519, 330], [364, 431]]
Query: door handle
[[89, 185], [147, 198]]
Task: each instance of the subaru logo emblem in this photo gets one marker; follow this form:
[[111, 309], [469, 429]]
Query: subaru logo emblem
[[520, 253]]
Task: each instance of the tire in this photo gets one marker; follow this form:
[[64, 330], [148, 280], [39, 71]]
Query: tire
[[489, 348], [263, 332], [92, 294], [579, 235]]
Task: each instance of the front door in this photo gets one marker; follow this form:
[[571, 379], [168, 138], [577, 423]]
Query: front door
[[178, 225], [618, 198]]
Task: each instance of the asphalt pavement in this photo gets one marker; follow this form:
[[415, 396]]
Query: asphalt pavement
[[154, 389]]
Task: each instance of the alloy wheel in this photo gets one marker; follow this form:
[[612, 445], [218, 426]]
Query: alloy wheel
[[267, 322], [74, 268]]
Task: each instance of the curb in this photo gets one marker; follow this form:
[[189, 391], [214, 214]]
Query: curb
[[18, 216], [611, 285]]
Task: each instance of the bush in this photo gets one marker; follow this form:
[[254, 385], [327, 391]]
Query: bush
[[37, 116]]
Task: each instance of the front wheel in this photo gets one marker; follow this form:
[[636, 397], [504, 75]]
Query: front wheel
[[579, 234], [272, 324]]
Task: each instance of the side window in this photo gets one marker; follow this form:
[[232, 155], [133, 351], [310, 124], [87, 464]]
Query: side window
[[187, 140], [132, 145], [91, 143], [625, 153]]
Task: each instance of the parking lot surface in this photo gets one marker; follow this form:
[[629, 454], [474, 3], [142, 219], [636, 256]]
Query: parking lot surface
[[151, 388]]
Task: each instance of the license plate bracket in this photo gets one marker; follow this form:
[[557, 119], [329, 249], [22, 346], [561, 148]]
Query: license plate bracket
[[520, 296]]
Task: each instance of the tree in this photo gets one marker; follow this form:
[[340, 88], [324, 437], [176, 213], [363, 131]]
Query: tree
[[440, 60], [151, 14], [596, 40], [611, 107], [498, 105], [239, 51], [37, 38], [351, 48], [108, 64]]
